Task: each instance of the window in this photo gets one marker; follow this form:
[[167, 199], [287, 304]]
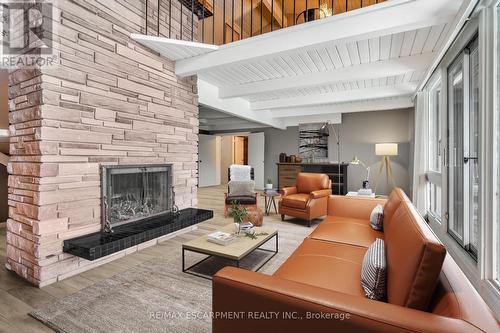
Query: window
[[468, 140], [433, 167], [463, 170], [435, 200], [434, 127]]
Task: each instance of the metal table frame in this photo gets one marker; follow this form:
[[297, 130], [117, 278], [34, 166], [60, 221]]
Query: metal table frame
[[237, 262], [268, 200]]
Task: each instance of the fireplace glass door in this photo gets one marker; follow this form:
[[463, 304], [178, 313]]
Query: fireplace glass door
[[133, 193]]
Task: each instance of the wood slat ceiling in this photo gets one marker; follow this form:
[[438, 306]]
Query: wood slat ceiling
[[354, 61], [330, 57], [394, 80]]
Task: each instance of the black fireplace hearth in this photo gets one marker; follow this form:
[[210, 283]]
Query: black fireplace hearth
[[101, 244]]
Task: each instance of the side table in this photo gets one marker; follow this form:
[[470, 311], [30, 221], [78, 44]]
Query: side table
[[269, 200]]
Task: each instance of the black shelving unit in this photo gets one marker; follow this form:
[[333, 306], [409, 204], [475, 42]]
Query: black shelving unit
[[337, 172]]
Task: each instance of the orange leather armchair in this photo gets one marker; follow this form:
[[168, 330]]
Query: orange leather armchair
[[308, 199]]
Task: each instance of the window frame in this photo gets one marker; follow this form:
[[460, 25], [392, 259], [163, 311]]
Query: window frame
[[434, 177], [490, 148], [489, 286], [483, 274]]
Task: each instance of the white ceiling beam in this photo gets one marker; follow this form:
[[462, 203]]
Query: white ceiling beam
[[174, 49], [335, 118], [375, 70], [337, 97], [233, 127], [401, 102], [208, 94], [227, 121], [372, 21]]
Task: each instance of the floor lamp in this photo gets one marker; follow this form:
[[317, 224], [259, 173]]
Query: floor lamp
[[324, 130], [386, 150]]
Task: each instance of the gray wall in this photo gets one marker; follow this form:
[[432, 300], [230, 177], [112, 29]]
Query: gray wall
[[359, 133]]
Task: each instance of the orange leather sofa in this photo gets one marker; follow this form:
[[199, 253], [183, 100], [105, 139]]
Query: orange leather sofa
[[308, 199], [318, 288]]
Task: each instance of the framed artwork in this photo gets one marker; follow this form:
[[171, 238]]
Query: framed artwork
[[311, 143]]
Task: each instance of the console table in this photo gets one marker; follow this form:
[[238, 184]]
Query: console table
[[287, 174]]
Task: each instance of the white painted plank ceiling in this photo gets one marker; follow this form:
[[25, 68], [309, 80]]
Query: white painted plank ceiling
[[382, 52]]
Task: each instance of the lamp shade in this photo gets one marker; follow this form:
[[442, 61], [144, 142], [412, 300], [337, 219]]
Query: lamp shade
[[323, 130], [386, 149]]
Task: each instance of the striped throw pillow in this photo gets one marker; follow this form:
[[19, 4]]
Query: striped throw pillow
[[377, 217], [373, 271]]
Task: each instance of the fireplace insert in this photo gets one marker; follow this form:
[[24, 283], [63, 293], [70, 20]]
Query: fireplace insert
[[134, 192]]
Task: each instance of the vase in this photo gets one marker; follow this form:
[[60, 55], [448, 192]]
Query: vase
[[269, 186], [237, 227]]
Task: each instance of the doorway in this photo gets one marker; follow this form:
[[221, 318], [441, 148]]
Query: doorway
[[240, 146], [243, 149]]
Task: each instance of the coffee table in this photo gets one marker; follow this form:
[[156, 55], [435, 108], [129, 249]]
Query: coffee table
[[235, 251]]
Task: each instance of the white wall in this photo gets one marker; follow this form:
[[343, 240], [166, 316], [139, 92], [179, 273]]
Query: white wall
[[359, 133], [226, 157], [210, 155]]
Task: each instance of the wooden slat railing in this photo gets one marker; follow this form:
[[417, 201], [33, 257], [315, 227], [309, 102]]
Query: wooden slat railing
[[225, 21]]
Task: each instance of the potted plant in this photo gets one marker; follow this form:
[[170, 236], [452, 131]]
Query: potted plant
[[269, 184], [238, 213]]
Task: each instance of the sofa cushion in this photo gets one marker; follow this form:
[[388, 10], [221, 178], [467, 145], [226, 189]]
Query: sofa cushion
[[377, 217], [327, 265], [309, 182], [241, 199], [298, 201], [241, 187], [414, 258], [352, 207], [335, 219], [373, 271], [395, 198], [347, 232]]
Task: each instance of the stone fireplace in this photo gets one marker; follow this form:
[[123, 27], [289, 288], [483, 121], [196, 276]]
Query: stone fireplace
[[108, 101], [134, 192]]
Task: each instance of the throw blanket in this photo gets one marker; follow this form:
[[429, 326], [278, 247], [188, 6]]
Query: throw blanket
[[239, 172]]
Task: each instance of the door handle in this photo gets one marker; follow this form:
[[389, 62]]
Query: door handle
[[467, 158]]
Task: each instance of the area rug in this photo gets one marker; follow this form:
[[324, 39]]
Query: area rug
[[155, 296]]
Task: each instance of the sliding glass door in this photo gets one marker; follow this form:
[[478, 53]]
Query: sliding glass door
[[463, 168]]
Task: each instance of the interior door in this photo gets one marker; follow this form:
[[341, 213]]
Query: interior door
[[256, 157], [209, 160], [240, 150]]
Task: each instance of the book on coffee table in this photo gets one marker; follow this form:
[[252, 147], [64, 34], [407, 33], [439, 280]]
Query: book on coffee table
[[221, 238]]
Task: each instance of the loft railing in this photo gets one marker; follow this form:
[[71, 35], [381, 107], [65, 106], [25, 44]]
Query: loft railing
[[225, 21]]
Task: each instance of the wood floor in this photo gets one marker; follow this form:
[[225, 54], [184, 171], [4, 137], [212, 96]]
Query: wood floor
[[18, 298]]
